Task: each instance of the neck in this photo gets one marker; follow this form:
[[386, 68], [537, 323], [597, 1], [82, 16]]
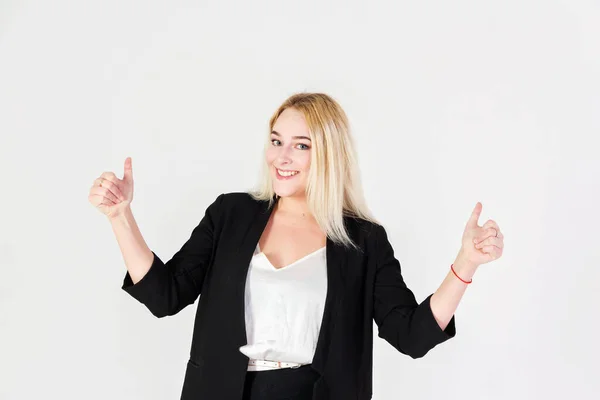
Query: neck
[[294, 206]]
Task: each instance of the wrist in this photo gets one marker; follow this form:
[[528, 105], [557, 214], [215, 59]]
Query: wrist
[[121, 217], [464, 268]]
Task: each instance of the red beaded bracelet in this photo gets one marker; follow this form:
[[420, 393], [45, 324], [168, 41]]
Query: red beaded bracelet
[[452, 268]]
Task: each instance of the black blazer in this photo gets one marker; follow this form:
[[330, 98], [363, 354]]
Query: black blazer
[[363, 285]]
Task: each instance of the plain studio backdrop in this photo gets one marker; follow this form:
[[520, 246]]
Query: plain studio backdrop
[[450, 103]]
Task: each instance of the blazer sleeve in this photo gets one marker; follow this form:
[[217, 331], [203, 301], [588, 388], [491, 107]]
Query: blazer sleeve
[[407, 325], [169, 287]]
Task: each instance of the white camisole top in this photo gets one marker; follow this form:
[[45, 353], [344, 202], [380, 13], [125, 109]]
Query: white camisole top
[[284, 308]]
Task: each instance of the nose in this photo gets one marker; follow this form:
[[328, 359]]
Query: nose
[[284, 156]]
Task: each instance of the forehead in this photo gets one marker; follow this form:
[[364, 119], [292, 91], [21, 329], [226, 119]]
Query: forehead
[[291, 123]]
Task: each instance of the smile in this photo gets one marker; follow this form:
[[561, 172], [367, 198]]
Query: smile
[[286, 174]]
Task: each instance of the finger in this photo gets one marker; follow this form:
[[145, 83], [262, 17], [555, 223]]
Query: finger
[[493, 251], [107, 202], [475, 215], [98, 200], [492, 241], [105, 192], [491, 224], [109, 176], [490, 232], [128, 170], [111, 186]]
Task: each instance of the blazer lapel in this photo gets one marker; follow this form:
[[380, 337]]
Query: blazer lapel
[[336, 261], [243, 256]]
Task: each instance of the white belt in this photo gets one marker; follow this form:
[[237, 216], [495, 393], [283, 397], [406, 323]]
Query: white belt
[[273, 364]]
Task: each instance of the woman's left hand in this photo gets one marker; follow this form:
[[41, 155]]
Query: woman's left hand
[[481, 244]]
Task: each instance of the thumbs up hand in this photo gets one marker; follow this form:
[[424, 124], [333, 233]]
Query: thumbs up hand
[[112, 195], [481, 244]]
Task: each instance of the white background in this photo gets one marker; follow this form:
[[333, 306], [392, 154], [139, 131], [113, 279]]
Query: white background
[[450, 103]]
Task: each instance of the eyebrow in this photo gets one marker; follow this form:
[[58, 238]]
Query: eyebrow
[[293, 137]]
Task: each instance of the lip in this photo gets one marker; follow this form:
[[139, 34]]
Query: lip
[[285, 178]]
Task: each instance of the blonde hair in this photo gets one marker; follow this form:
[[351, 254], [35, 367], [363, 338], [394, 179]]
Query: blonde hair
[[334, 188]]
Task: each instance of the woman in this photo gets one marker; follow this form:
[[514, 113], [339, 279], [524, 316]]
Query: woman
[[291, 275]]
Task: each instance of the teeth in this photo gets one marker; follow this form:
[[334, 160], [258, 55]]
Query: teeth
[[286, 173]]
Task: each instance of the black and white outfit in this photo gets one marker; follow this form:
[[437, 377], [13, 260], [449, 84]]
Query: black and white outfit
[[304, 331]]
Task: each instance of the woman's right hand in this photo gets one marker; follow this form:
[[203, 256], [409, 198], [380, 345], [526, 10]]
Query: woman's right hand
[[112, 195]]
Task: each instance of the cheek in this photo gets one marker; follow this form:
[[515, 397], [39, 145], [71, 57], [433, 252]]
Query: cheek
[[304, 161], [270, 156]]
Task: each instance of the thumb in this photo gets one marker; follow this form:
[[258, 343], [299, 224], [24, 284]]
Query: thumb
[[128, 171], [475, 215]]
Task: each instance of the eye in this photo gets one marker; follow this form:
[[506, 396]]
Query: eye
[[274, 140], [306, 146]]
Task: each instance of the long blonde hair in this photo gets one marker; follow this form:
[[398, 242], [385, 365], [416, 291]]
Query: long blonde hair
[[334, 188]]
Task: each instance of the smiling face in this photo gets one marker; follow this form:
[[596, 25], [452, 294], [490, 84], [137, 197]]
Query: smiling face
[[289, 154]]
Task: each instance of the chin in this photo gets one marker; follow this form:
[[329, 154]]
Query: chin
[[286, 192], [287, 189]]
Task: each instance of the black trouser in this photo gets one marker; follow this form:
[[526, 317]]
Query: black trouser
[[280, 384]]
